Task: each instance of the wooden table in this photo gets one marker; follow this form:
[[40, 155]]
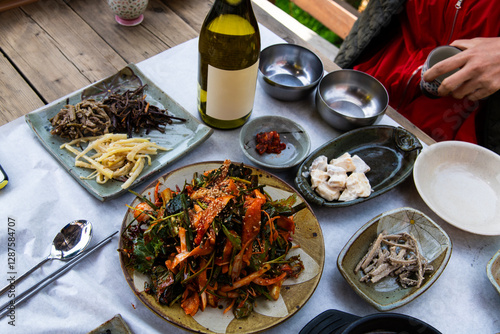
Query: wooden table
[[51, 48]]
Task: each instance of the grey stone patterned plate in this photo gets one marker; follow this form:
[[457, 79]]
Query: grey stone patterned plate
[[180, 137], [294, 294], [389, 151], [434, 244]]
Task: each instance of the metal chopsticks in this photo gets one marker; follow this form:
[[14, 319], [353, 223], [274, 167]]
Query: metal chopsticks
[[51, 278]]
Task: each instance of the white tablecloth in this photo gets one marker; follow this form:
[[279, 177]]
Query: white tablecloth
[[41, 198]]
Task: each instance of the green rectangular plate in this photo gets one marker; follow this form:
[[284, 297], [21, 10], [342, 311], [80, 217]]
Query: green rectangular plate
[[181, 138]]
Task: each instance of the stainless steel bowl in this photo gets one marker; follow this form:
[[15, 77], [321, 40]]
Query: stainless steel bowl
[[289, 72], [349, 99]]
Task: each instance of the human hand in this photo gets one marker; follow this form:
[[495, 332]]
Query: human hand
[[479, 74]]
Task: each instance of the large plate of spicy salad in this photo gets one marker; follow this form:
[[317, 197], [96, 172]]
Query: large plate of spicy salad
[[220, 247]]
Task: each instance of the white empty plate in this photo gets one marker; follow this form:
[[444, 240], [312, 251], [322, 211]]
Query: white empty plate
[[460, 182]]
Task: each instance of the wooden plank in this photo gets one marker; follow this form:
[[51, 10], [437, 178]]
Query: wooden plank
[[79, 43], [193, 12], [168, 25], [10, 4], [336, 16], [160, 30], [321, 44], [404, 122], [55, 49], [16, 98], [58, 52]]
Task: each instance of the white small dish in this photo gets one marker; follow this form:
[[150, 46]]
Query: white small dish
[[460, 182], [292, 134]]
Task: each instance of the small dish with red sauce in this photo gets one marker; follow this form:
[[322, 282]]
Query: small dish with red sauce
[[274, 142]]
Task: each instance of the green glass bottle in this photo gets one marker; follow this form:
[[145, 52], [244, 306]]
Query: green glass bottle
[[229, 50]]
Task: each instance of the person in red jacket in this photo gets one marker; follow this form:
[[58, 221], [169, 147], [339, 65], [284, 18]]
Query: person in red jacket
[[399, 43]]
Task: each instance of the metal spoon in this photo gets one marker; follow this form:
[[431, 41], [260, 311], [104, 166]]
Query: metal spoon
[[69, 242]]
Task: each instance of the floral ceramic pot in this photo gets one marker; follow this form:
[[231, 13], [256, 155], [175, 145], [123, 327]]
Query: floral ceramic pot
[[128, 12]]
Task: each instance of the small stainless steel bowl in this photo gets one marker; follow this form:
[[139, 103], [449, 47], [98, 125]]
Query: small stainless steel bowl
[[289, 72], [349, 99]]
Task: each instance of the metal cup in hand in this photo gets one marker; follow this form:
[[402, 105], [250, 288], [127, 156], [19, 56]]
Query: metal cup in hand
[[430, 89]]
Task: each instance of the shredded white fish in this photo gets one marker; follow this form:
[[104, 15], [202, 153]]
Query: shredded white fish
[[395, 255]]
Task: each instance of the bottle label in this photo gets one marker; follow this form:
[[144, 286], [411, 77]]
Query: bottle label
[[230, 94]]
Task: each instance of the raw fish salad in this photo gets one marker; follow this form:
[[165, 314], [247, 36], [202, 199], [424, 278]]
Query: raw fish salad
[[220, 241]]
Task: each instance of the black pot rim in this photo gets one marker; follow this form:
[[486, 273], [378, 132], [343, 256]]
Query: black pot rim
[[390, 322]]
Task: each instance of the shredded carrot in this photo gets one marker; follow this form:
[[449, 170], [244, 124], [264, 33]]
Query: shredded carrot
[[242, 302], [230, 306], [168, 264], [270, 281], [190, 301], [208, 216], [246, 280], [252, 292], [141, 211], [230, 294], [273, 234], [204, 301], [182, 237], [156, 195]]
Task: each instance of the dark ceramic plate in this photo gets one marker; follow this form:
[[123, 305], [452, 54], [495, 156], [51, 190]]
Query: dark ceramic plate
[[389, 151], [338, 322], [329, 321], [181, 138]]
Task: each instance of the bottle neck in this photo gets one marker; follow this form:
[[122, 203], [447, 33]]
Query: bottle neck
[[223, 17], [234, 2], [237, 7]]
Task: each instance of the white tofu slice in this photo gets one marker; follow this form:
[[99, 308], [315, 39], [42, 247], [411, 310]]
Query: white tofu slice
[[319, 163], [318, 177], [357, 185], [361, 166], [331, 169], [344, 161], [347, 196], [327, 192], [338, 176]]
